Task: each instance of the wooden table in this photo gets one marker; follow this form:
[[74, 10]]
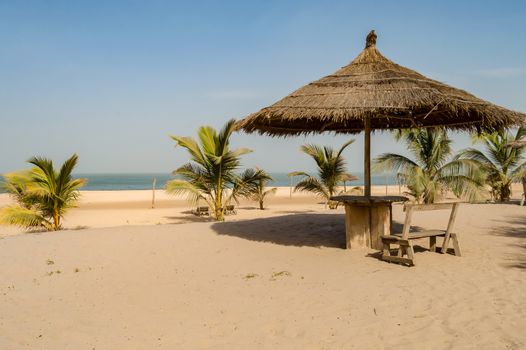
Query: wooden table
[[367, 218]]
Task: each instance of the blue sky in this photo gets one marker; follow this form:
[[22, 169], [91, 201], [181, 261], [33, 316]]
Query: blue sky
[[111, 80]]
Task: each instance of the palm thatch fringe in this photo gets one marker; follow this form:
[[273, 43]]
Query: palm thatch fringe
[[392, 96]]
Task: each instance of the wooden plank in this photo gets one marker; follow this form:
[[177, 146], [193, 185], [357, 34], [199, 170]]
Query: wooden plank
[[433, 243], [397, 259], [450, 225], [456, 245], [427, 233], [390, 238], [411, 253], [380, 225], [357, 226], [452, 218], [386, 249], [407, 222]]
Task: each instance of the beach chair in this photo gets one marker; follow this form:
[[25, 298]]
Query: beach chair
[[230, 209], [201, 211], [405, 238]]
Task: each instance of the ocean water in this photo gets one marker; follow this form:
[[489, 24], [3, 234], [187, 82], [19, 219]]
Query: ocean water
[[116, 182]]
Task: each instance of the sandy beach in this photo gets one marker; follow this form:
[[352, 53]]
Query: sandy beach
[[125, 276]]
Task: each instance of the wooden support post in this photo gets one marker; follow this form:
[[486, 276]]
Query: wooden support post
[[153, 192], [367, 157], [365, 224]]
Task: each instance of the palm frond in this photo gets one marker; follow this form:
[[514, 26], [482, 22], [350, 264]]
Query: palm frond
[[297, 173], [316, 152], [17, 215], [182, 187], [43, 194], [312, 184], [343, 147], [192, 147], [393, 162]]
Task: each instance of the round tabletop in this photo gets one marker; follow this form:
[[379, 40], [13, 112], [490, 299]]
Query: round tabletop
[[369, 200]]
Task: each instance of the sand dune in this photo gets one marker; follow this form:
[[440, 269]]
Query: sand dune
[[262, 280]]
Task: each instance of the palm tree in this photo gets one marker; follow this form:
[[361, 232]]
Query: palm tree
[[43, 195], [210, 175], [259, 191], [429, 174], [331, 171], [500, 163]]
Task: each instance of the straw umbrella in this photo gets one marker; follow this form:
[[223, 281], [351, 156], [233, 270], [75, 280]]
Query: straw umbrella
[[517, 144], [348, 177], [374, 93]]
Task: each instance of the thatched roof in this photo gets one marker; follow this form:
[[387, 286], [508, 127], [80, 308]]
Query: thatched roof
[[349, 177], [392, 96], [517, 144]]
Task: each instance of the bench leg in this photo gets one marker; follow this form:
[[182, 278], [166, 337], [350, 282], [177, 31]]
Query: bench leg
[[406, 248], [433, 244], [445, 244], [456, 245], [411, 253], [387, 249], [401, 251]]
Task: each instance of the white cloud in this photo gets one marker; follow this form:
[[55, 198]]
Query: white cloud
[[502, 73]]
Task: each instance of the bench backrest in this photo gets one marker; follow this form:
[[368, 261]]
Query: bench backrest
[[410, 208], [202, 209]]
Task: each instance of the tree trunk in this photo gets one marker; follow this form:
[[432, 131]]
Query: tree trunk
[[261, 204], [219, 210], [56, 221], [505, 192]]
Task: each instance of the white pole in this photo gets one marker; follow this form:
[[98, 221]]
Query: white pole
[[153, 192]]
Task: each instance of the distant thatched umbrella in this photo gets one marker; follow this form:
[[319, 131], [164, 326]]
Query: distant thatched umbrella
[[348, 177], [517, 144], [374, 93]]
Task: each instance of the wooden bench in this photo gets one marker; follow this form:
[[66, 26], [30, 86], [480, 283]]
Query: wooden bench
[[200, 211], [404, 239]]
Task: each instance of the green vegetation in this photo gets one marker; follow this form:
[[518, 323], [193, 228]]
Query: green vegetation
[[258, 188], [500, 163], [42, 194], [331, 171], [211, 175], [429, 174]]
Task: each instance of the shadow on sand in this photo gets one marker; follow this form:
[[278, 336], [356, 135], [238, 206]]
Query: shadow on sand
[[313, 230], [188, 217], [295, 229], [517, 230]]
